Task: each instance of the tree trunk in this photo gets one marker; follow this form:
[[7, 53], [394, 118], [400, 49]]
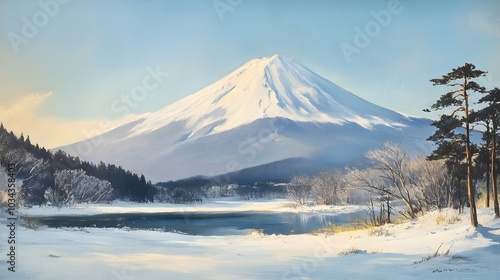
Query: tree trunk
[[388, 210], [488, 142], [412, 210], [460, 198], [488, 188], [470, 188], [493, 171]]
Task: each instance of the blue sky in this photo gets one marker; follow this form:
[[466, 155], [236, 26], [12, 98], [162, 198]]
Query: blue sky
[[84, 55]]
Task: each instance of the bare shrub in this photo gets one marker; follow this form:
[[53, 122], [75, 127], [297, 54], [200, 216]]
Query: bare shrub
[[457, 257], [31, 223], [435, 255], [378, 231], [74, 186], [326, 187], [448, 219], [299, 189], [396, 175], [350, 251]]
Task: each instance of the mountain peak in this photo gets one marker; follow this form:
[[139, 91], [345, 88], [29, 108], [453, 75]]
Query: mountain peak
[[271, 58], [268, 87], [265, 61], [229, 125], [276, 57]]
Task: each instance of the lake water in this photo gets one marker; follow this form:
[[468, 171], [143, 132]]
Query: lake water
[[208, 223]]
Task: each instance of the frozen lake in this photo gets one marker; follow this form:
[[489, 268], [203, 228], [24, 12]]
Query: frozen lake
[[207, 223]]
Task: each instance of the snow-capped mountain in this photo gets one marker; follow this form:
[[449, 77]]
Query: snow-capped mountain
[[269, 110]]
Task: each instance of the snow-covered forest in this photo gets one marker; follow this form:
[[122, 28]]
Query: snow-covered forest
[[59, 179]]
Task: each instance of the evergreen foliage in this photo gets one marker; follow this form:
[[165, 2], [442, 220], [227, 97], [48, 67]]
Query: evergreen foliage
[[451, 143], [37, 168]]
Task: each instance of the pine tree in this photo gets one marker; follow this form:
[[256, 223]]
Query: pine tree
[[491, 115], [460, 77], [483, 159]]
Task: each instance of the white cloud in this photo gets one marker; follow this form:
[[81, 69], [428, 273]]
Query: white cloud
[[20, 115]]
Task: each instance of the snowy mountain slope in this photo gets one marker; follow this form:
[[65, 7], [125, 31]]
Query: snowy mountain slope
[[267, 88], [268, 110]]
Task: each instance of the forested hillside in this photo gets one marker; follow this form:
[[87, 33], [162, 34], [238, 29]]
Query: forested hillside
[[60, 179]]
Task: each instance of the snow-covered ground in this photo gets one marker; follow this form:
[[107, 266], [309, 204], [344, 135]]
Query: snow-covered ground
[[391, 252]]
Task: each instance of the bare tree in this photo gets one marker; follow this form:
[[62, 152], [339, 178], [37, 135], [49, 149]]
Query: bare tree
[[371, 181], [329, 187], [395, 175], [34, 173], [393, 165], [299, 189], [74, 186], [432, 184]]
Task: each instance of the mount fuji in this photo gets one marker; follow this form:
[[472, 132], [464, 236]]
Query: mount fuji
[[271, 117]]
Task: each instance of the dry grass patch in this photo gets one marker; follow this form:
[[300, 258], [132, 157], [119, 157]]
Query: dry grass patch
[[378, 231], [333, 228], [350, 251], [457, 257], [435, 255], [448, 219]]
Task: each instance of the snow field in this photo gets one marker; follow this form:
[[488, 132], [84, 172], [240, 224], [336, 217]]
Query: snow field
[[390, 252]]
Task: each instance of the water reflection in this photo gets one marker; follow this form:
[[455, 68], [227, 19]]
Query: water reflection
[[236, 223]]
